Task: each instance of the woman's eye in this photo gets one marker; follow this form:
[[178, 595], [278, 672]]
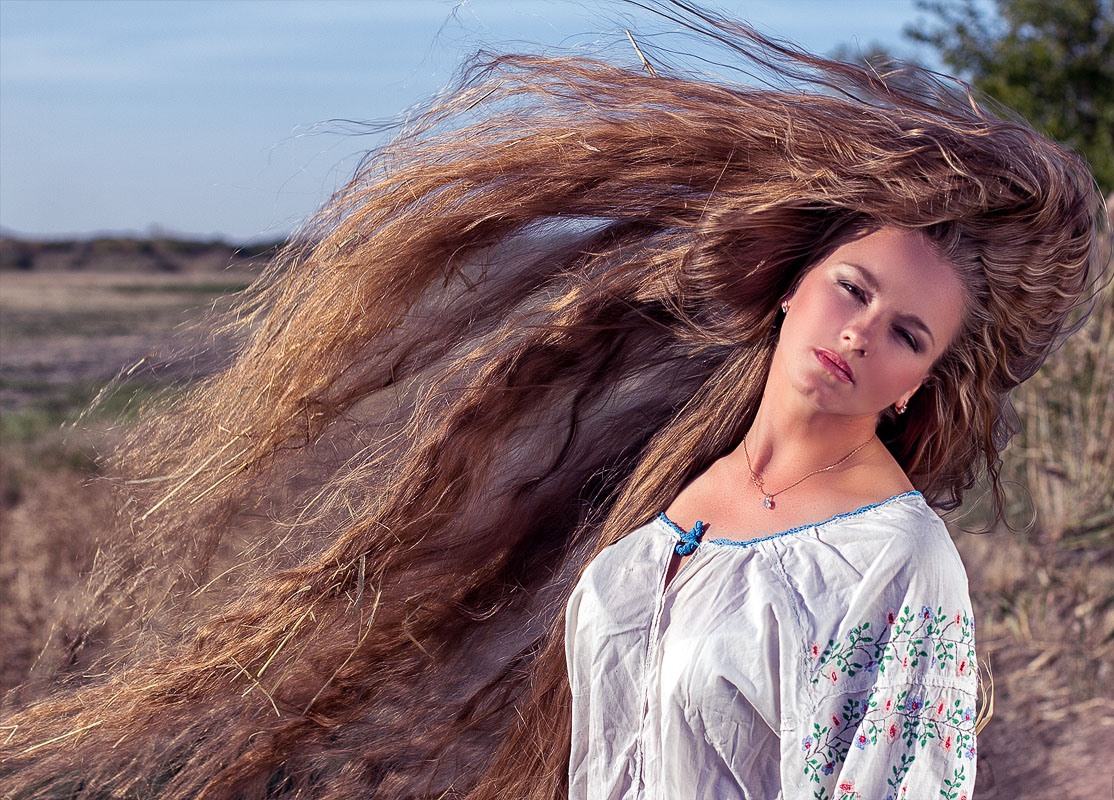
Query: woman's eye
[[851, 289], [909, 339]]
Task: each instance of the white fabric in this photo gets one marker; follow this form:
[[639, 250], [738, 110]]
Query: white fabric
[[831, 661]]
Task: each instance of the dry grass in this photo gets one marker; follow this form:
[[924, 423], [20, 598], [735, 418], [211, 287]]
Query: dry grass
[[51, 514], [1046, 621], [1063, 455], [1044, 595], [1044, 598]]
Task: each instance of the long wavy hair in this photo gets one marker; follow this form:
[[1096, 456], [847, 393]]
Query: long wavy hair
[[523, 326]]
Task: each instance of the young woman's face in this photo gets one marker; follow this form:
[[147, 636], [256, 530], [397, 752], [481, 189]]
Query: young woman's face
[[866, 324]]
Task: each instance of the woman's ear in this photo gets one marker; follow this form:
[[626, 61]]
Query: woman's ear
[[902, 403]]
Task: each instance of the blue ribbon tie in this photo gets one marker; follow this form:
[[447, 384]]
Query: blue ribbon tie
[[686, 545]]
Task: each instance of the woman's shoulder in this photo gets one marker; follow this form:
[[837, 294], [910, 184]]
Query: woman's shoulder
[[880, 596], [901, 526], [895, 526], [876, 561]]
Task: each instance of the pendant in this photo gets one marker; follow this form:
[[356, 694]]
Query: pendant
[[768, 502]]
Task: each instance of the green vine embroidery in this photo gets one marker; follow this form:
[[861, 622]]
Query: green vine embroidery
[[897, 775], [905, 641], [953, 789], [903, 717], [928, 640]]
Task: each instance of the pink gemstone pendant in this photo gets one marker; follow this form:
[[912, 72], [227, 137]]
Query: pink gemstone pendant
[[768, 502]]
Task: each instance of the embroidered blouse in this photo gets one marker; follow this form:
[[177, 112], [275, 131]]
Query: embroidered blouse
[[834, 661]]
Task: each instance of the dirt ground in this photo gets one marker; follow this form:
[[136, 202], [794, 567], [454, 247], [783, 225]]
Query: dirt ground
[[1045, 611]]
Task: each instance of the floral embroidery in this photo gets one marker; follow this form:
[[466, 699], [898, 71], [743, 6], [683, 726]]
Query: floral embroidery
[[926, 640], [889, 716], [944, 641]]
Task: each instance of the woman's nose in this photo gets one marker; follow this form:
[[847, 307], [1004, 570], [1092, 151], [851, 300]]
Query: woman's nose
[[857, 334]]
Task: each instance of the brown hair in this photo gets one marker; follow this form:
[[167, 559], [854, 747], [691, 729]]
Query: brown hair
[[513, 337]]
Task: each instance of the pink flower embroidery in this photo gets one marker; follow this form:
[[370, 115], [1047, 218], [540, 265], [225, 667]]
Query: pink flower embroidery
[[940, 708], [891, 731], [962, 668], [947, 743], [847, 786], [889, 704], [835, 721], [815, 650], [891, 618], [835, 676]]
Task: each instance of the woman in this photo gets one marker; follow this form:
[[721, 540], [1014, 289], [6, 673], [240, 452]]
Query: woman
[[573, 296], [828, 630]]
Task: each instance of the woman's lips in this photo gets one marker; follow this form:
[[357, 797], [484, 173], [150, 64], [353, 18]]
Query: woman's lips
[[835, 365]]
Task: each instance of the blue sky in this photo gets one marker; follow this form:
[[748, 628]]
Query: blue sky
[[214, 118]]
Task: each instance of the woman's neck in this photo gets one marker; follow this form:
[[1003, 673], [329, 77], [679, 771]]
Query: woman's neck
[[784, 443]]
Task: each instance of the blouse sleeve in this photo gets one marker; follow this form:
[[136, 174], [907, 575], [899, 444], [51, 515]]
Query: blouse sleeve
[[880, 683], [894, 711]]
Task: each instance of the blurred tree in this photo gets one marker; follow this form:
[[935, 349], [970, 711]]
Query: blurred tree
[[1050, 60]]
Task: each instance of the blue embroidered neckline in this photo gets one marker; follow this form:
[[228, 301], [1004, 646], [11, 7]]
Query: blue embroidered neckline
[[688, 540]]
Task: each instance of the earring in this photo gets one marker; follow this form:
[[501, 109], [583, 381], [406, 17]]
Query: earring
[[784, 306], [900, 408]]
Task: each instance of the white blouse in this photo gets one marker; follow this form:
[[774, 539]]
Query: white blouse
[[833, 661]]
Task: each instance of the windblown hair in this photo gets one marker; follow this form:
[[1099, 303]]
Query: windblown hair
[[512, 338]]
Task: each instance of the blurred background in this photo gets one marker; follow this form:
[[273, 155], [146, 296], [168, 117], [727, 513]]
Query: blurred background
[[154, 153]]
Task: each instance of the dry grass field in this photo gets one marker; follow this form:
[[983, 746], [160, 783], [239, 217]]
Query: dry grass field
[[1044, 598]]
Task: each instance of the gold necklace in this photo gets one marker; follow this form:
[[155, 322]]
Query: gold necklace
[[768, 497]]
